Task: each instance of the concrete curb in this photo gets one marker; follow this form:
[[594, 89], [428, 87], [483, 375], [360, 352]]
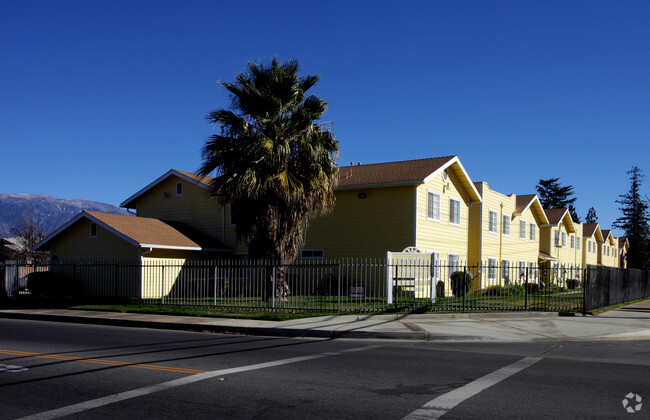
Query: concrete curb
[[222, 329]]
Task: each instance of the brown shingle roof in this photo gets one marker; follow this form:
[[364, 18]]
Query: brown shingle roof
[[523, 201], [403, 172], [588, 229], [147, 231], [555, 216]]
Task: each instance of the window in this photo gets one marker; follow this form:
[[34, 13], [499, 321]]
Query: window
[[532, 232], [563, 239], [492, 269], [522, 271], [573, 241], [522, 229], [505, 271], [557, 238], [312, 253], [505, 225], [179, 188], [492, 224], [578, 243], [433, 206], [93, 230], [532, 271], [454, 211], [454, 264]]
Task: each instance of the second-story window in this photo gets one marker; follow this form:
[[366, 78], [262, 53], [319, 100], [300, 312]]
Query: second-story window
[[454, 211], [93, 230], [179, 188], [563, 239], [532, 232], [522, 229], [505, 225], [492, 222], [433, 206]]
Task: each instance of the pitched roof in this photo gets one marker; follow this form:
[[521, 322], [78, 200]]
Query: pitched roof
[[556, 216], [145, 232], [407, 172], [622, 242], [523, 202], [588, 229], [203, 182]]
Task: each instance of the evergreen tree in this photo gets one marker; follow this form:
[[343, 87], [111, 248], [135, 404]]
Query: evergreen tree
[[552, 195], [635, 222], [591, 216]]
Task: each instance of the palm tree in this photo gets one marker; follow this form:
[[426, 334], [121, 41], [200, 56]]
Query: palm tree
[[275, 165]]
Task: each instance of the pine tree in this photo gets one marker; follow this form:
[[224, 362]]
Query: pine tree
[[635, 222], [591, 216], [552, 195]]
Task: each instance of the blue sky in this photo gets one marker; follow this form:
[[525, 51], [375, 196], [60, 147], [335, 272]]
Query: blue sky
[[99, 98]]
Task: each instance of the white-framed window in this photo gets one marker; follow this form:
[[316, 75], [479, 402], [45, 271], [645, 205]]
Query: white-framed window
[[453, 261], [505, 225], [578, 243], [505, 271], [312, 253], [454, 211], [521, 265], [179, 188], [93, 230], [532, 232], [492, 269], [493, 218], [557, 238], [433, 206], [573, 241], [522, 229], [563, 239], [532, 271]]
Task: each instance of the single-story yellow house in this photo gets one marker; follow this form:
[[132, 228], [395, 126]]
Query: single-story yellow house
[[140, 245]]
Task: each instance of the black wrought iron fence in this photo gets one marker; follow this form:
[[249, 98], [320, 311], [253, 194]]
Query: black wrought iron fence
[[337, 286]]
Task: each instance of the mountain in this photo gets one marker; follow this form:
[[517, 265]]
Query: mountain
[[48, 212]]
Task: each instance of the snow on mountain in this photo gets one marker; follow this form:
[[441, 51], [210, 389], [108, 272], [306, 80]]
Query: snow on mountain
[[47, 211]]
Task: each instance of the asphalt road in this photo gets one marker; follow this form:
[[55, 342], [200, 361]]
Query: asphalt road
[[54, 370]]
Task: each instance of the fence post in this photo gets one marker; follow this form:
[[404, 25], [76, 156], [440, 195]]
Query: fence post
[[274, 285], [339, 286], [162, 289], [526, 288], [214, 301], [584, 291], [389, 280]]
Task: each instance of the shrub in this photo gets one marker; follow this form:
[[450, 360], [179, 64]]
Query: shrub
[[440, 289], [514, 290], [461, 283], [45, 283], [572, 284], [493, 291], [532, 288], [41, 283]]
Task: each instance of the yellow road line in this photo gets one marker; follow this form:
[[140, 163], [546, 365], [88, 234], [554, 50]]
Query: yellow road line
[[100, 361]]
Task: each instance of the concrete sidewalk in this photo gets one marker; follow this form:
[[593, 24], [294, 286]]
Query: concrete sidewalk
[[629, 322]]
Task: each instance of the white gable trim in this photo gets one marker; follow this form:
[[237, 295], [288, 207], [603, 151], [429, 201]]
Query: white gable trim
[[171, 172]]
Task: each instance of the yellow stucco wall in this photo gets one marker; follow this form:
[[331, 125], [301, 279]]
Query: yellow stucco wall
[[511, 247], [441, 235], [365, 227], [194, 207], [75, 243]]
